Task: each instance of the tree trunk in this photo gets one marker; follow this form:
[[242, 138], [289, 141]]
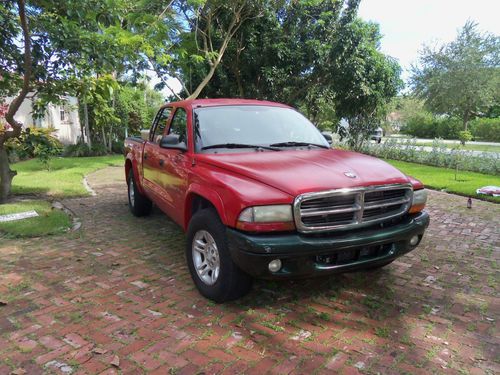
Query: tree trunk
[[465, 119], [237, 71], [203, 83], [104, 142], [113, 105], [82, 125], [110, 139], [6, 175], [214, 63], [86, 121]]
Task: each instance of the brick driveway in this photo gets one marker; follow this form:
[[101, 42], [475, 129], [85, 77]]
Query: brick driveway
[[119, 291]]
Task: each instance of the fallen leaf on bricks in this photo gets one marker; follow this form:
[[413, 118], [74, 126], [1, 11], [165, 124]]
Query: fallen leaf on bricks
[[116, 361], [99, 351]]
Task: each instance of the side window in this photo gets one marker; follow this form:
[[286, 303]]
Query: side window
[[160, 124], [179, 125]]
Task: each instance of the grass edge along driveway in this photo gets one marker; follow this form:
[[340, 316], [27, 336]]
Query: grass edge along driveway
[[49, 221], [444, 179], [64, 180]]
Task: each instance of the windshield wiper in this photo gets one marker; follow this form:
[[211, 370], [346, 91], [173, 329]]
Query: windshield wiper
[[296, 144], [239, 145]]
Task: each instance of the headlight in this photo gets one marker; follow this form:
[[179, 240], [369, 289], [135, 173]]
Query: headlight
[[267, 214], [419, 200]]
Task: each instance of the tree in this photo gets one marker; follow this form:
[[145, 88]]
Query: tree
[[314, 55], [204, 30], [461, 78], [49, 48], [136, 106], [365, 79]]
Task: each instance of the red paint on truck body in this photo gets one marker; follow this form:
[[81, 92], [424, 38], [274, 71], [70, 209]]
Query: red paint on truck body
[[232, 182]]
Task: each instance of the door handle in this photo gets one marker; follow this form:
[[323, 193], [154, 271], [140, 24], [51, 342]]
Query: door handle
[[145, 155], [162, 162]]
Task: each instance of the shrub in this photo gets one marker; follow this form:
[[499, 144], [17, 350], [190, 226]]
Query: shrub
[[44, 154], [448, 127], [486, 129], [81, 149], [98, 149], [31, 142], [439, 156], [464, 136], [420, 125], [117, 147], [425, 125]]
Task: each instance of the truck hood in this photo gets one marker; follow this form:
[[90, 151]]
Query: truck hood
[[301, 171]]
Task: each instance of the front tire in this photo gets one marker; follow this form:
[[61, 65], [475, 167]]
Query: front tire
[[213, 271], [138, 203]]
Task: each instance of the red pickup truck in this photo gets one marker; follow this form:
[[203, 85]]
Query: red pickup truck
[[261, 193]]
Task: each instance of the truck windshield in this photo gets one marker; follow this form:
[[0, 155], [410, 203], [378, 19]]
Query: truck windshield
[[253, 125]]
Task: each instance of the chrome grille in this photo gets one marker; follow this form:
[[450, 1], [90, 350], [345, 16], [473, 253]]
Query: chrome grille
[[349, 208]]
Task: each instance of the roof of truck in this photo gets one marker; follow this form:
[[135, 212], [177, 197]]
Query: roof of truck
[[197, 103]]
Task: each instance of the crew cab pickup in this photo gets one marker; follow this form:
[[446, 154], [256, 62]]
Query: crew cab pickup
[[261, 193]]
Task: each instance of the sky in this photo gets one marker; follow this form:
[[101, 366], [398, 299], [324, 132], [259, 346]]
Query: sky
[[407, 24]]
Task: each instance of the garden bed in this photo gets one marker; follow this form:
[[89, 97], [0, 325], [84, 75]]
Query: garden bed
[[439, 156]]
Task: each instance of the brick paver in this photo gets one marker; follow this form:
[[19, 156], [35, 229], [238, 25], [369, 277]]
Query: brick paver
[[116, 297]]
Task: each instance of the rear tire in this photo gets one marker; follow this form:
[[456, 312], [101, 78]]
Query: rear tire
[[139, 204], [213, 271]]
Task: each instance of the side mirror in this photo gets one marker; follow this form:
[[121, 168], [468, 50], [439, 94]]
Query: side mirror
[[171, 141], [145, 134], [328, 137]]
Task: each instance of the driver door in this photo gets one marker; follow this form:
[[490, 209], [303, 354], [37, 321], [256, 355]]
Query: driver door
[[174, 167], [151, 155]]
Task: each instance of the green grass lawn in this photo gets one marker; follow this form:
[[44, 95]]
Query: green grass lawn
[[444, 179], [49, 221], [63, 180]]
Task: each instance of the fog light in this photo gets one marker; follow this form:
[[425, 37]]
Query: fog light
[[414, 241], [275, 265]]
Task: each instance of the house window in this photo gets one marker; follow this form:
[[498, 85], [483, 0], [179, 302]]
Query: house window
[[62, 114]]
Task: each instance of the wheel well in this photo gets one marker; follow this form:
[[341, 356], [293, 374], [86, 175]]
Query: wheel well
[[196, 203], [128, 167], [199, 203]]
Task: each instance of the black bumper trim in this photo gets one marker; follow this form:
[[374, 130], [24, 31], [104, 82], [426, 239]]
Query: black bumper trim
[[253, 252]]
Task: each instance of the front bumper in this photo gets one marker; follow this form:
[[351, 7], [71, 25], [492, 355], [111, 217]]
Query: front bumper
[[310, 255]]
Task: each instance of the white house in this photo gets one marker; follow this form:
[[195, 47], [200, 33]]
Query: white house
[[63, 118]]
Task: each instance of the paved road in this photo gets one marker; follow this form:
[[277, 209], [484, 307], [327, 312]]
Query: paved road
[[118, 291]]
